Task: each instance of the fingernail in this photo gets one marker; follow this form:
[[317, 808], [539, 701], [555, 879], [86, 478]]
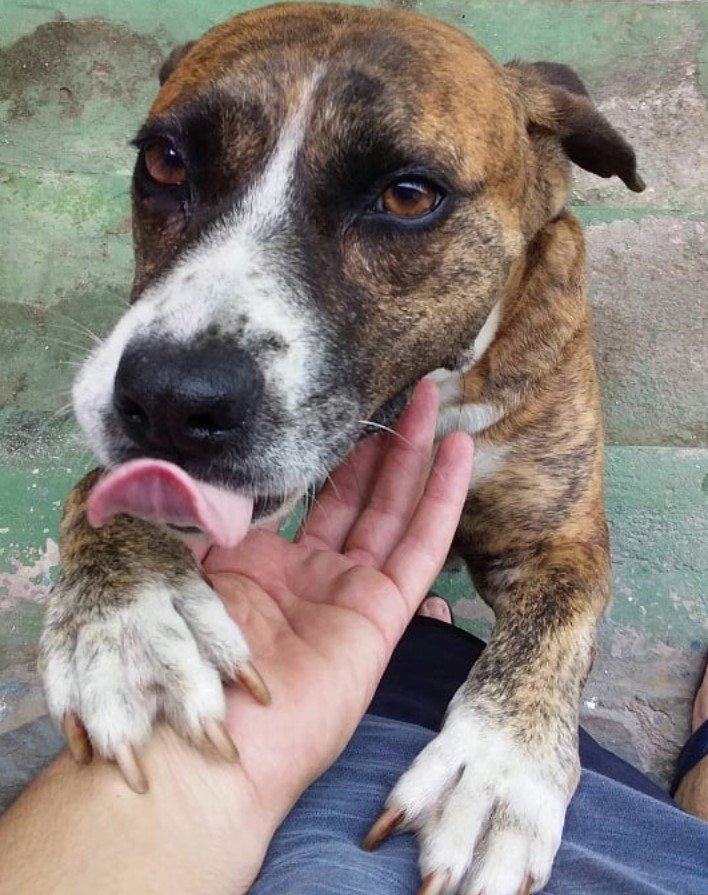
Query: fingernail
[[249, 677], [383, 827]]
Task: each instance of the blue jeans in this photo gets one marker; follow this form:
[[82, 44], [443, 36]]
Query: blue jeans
[[623, 836], [617, 840]]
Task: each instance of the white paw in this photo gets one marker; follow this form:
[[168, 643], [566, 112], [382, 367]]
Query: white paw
[[488, 813], [116, 666]]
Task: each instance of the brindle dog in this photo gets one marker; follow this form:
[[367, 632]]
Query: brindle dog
[[329, 203]]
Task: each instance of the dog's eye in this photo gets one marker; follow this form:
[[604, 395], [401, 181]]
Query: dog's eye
[[164, 164], [409, 198]]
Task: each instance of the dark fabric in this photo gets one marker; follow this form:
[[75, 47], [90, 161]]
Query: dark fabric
[[695, 748], [431, 662]]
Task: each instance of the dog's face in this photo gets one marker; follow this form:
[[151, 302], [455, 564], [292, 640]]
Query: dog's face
[[328, 202]]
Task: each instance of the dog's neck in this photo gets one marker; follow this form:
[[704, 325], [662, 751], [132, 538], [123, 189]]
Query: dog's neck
[[542, 309]]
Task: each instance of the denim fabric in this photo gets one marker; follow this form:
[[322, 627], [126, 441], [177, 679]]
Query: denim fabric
[[617, 841]]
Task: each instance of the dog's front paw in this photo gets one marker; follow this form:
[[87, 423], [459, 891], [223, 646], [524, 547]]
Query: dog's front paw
[[488, 812], [111, 666]]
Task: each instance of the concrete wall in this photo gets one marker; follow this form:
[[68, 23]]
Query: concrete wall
[[74, 85]]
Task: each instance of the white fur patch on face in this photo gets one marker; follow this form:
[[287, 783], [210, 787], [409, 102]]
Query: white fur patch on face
[[232, 280], [269, 199], [92, 391]]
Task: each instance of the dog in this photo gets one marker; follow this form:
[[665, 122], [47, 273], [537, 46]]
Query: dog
[[329, 203]]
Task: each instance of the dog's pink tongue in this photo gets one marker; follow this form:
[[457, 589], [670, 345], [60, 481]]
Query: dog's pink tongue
[[161, 492]]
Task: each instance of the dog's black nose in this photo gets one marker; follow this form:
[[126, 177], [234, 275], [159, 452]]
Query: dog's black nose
[[194, 401]]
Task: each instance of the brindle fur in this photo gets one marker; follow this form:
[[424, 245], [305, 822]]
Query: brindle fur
[[534, 535], [106, 556]]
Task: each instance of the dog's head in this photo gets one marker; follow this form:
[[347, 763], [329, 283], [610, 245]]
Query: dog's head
[[328, 201]]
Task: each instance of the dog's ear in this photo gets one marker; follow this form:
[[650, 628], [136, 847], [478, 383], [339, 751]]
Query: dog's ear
[[170, 64], [556, 101]]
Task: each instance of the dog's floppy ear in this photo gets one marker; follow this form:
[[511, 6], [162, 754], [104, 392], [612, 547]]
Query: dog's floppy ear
[[556, 101], [170, 64]]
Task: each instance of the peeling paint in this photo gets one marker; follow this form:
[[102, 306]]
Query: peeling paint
[[30, 582]]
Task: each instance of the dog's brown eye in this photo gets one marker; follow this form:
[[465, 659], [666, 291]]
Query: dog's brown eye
[[409, 198], [164, 164]]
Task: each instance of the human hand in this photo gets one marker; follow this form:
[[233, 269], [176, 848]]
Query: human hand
[[322, 615]]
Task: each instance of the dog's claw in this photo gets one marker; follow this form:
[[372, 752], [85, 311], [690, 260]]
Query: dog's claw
[[129, 765], [434, 884], [249, 677], [526, 887], [218, 736], [382, 828], [77, 739]]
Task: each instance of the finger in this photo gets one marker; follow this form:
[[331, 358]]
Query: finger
[[400, 482], [349, 491], [339, 503], [416, 561]]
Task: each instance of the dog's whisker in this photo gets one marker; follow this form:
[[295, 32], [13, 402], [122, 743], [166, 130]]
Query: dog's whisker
[[309, 501], [66, 323], [73, 346], [359, 488], [94, 337], [74, 364], [322, 507], [312, 499], [378, 426], [332, 482], [386, 429], [64, 410]]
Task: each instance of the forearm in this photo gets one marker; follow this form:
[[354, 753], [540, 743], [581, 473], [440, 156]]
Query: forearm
[[81, 830]]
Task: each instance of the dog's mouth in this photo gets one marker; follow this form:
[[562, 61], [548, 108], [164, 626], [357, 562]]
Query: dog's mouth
[[163, 492]]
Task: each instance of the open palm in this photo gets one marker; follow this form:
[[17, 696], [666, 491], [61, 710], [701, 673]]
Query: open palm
[[323, 614]]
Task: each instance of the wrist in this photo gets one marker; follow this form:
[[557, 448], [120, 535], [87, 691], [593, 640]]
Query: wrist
[[198, 829], [219, 807]]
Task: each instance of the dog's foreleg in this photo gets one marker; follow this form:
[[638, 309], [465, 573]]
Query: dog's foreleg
[[488, 795], [132, 631]]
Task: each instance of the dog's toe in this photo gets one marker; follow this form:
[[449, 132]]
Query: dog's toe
[[488, 813], [161, 651]]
